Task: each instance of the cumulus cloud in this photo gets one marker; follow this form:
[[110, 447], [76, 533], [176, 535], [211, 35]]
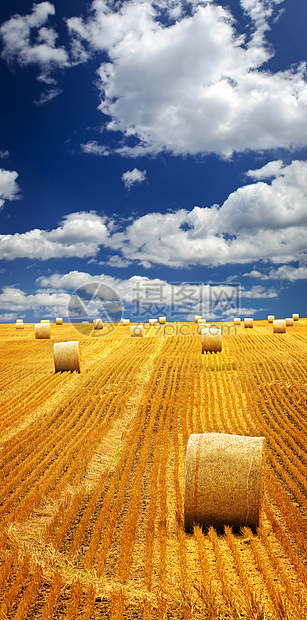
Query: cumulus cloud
[[191, 83], [9, 189], [27, 41], [79, 234], [284, 272], [131, 177]]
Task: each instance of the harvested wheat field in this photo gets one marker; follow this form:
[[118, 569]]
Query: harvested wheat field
[[92, 467]]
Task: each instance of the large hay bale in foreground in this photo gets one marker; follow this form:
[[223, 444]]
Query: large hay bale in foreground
[[66, 356], [295, 317], [223, 480], [59, 321], [136, 330], [279, 326], [289, 322], [42, 330], [211, 340], [248, 323]]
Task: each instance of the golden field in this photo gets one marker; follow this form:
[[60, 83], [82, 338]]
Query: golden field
[[92, 474]]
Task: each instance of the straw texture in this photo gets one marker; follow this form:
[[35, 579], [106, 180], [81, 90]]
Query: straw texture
[[211, 339], [289, 322], [153, 321], [19, 325], [58, 321], [279, 326], [271, 318], [237, 321], [223, 480], [42, 330], [136, 330], [98, 324], [162, 319], [66, 356], [249, 323], [295, 317]]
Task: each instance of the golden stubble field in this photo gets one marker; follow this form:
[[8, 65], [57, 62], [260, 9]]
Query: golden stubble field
[[92, 475]]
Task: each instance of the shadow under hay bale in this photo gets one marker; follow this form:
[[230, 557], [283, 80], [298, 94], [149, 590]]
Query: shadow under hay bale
[[223, 480], [66, 356]]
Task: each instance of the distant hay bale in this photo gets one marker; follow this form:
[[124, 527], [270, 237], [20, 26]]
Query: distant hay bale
[[45, 320], [279, 326], [136, 330], [153, 321], [125, 321], [98, 323], [42, 330], [85, 322], [162, 319], [19, 320], [201, 326], [201, 320], [197, 317], [211, 340], [271, 318], [223, 480], [66, 356], [237, 321], [20, 325], [249, 323], [295, 317], [58, 321], [289, 322]]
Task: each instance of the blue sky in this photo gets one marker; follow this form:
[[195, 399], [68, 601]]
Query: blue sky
[[158, 148]]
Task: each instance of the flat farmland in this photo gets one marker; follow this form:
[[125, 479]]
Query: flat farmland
[[92, 474]]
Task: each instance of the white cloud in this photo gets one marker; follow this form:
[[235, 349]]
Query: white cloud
[[271, 169], [93, 148], [9, 189], [284, 272], [80, 234], [133, 176], [28, 42], [4, 153], [193, 85]]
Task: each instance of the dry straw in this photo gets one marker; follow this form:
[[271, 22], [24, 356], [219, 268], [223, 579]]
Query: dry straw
[[136, 330], [271, 318], [249, 322], [295, 317], [237, 320], [66, 356], [211, 340], [279, 326], [223, 480], [98, 323], [289, 322], [58, 321], [153, 321], [162, 319], [42, 330]]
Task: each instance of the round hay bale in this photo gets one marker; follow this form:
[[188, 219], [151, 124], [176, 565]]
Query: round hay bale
[[279, 326], [125, 321], [237, 321], [289, 322], [42, 330], [201, 320], [153, 321], [98, 323], [197, 317], [211, 340], [19, 320], [66, 356], [223, 484], [201, 326], [85, 322], [58, 321], [45, 320], [136, 330], [20, 325], [162, 319], [295, 317], [271, 318], [249, 323]]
